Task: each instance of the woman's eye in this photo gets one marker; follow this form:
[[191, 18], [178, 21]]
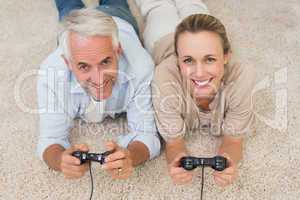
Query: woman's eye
[[188, 61], [211, 60]]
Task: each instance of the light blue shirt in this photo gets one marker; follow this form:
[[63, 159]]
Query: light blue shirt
[[61, 98]]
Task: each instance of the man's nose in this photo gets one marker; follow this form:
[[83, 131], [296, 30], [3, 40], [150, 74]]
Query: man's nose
[[97, 77]]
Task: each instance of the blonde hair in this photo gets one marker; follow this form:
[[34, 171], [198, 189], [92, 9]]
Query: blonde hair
[[88, 22], [202, 22]]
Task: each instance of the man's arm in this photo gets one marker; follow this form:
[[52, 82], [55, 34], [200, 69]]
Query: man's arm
[[52, 156], [139, 152]]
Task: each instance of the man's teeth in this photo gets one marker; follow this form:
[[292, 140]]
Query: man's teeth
[[201, 83]]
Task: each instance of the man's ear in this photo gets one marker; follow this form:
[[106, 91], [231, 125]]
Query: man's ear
[[227, 57], [119, 49], [66, 61]]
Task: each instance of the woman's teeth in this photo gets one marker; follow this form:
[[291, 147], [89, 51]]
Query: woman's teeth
[[202, 83]]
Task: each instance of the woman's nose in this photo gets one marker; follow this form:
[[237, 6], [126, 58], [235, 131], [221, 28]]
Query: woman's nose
[[199, 70]]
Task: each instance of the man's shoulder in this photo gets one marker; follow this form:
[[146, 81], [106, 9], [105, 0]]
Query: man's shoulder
[[54, 61]]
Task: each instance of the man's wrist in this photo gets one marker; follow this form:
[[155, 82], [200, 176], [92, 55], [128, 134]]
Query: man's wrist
[[53, 156], [139, 152]]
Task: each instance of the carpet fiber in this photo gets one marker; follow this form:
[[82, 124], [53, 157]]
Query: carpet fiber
[[265, 35]]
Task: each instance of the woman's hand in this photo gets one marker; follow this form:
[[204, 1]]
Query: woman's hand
[[227, 176], [178, 174]]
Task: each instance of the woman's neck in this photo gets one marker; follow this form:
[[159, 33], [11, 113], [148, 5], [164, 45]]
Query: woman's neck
[[204, 104]]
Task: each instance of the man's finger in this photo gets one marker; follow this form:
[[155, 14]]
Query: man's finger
[[111, 146], [115, 156], [77, 147], [113, 165], [80, 168], [71, 160], [81, 147]]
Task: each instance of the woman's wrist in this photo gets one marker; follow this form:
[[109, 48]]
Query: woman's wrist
[[175, 147]]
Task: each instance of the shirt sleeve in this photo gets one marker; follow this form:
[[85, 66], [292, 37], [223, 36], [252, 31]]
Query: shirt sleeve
[[239, 116], [168, 100], [140, 116], [55, 119]]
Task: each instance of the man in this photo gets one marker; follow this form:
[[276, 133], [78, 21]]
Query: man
[[99, 69]]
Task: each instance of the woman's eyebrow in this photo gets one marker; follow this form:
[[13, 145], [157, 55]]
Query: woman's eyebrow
[[186, 57], [208, 55]]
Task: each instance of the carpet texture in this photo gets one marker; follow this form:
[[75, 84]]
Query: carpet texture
[[265, 35]]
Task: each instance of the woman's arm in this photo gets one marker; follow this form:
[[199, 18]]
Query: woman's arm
[[175, 150], [175, 147], [233, 147]]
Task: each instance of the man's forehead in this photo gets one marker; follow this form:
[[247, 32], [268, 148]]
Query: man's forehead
[[81, 41]]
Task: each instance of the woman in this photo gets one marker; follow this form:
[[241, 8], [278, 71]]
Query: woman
[[197, 89]]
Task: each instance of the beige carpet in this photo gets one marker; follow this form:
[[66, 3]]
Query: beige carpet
[[265, 35]]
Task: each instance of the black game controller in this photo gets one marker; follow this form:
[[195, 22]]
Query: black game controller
[[96, 157], [218, 163]]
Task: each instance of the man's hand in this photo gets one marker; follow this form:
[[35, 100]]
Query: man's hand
[[228, 176], [70, 165], [119, 163], [178, 174]]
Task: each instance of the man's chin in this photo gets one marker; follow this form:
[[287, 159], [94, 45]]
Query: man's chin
[[100, 97]]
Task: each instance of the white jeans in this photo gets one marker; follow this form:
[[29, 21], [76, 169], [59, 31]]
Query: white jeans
[[162, 16]]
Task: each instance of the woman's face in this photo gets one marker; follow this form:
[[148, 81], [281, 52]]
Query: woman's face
[[201, 60]]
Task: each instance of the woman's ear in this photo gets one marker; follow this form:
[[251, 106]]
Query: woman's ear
[[66, 61], [227, 57]]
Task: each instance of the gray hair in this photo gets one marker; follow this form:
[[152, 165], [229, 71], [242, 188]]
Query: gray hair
[[87, 22]]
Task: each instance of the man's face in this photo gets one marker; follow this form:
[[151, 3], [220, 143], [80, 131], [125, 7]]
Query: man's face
[[94, 61]]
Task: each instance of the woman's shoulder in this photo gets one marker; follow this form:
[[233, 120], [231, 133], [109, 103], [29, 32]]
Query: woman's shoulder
[[168, 70], [235, 72]]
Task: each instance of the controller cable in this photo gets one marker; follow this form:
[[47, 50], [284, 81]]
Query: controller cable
[[202, 182], [92, 182]]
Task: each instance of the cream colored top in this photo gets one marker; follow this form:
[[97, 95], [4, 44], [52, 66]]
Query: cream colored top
[[177, 114]]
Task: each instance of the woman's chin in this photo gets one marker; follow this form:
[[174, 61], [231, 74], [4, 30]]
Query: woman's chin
[[203, 94]]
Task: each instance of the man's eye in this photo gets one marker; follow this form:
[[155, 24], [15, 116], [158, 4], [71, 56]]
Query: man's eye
[[106, 62], [188, 61], [210, 60], [83, 67]]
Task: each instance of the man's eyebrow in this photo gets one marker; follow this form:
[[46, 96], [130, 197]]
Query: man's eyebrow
[[82, 63]]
